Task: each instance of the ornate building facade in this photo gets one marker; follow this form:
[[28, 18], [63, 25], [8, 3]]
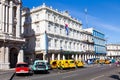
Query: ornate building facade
[[10, 33], [113, 51], [52, 35]]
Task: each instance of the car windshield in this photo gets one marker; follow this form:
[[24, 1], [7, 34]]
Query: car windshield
[[40, 63], [71, 61], [22, 65]]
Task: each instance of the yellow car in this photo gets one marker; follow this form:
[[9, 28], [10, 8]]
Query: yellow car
[[53, 64], [79, 63], [101, 61], [71, 63], [107, 61], [63, 64]]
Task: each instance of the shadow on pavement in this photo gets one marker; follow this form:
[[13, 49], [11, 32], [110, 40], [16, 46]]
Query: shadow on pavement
[[115, 77]]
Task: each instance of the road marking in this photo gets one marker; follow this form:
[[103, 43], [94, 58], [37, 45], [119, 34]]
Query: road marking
[[70, 75], [97, 77]]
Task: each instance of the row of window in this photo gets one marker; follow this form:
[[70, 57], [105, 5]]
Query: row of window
[[55, 43], [113, 47], [98, 34], [112, 53], [100, 49], [60, 29], [61, 19]]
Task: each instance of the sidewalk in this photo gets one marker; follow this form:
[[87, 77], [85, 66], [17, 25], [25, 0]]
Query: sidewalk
[[6, 71]]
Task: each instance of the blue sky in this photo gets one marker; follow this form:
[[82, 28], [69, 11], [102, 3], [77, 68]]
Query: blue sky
[[103, 15]]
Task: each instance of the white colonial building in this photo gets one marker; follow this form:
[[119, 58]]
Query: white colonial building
[[47, 37], [113, 51], [10, 30]]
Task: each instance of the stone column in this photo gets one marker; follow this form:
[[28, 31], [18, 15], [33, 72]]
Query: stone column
[[44, 56], [2, 55], [10, 17], [73, 56], [18, 17], [63, 57], [3, 17], [7, 13], [76, 57], [6, 55], [20, 56], [53, 56], [58, 56], [80, 57], [0, 16]]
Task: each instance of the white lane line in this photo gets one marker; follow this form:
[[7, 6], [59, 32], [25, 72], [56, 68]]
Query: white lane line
[[70, 75], [97, 77]]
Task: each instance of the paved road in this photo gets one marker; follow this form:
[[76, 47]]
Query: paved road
[[97, 72]]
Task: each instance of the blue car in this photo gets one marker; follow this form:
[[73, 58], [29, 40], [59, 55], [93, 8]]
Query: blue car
[[39, 65]]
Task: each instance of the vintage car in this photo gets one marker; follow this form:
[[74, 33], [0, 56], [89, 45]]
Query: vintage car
[[71, 63], [54, 64], [22, 68], [39, 65], [79, 63], [63, 64]]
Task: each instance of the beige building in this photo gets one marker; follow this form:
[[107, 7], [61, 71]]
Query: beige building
[[47, 37], [10, 33], [113, 51]]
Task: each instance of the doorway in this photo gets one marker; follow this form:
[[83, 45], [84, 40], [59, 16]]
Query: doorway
[[13, 57]]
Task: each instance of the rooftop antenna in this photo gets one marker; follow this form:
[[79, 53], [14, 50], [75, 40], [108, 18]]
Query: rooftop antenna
[[86, 17]]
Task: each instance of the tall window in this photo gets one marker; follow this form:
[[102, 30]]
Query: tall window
[[49, 42], [55, 43]]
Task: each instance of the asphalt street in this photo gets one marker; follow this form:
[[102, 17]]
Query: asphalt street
[[95, 72]]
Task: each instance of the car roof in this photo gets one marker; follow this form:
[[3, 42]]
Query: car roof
[[22, 63]]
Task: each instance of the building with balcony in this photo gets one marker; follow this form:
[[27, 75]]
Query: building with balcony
[[99, 42], [54, 35], [10, 33], [113, 51]]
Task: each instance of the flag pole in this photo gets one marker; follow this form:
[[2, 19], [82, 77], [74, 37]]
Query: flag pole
[[86, 17]]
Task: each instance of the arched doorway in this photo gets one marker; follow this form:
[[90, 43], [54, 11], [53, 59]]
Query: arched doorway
[[13, 57]]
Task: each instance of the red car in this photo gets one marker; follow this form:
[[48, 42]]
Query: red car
[[22, 68]]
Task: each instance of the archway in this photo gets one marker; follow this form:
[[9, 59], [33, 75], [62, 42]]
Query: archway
[[13, 57]]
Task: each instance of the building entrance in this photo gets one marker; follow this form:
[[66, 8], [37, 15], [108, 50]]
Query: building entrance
[[13, 57]]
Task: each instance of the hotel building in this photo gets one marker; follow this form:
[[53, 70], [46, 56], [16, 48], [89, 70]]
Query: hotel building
[[54, 35]]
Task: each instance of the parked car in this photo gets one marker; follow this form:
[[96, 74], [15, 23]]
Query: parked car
[[63, 64], [22, 68], [71, 63], [54, 64], [39, 65], [79, 63]]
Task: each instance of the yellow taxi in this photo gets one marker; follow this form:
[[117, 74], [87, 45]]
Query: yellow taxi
[[107, 61], [63, 64], [101, 61], [71, 63], [79, 63], [54, 64]]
